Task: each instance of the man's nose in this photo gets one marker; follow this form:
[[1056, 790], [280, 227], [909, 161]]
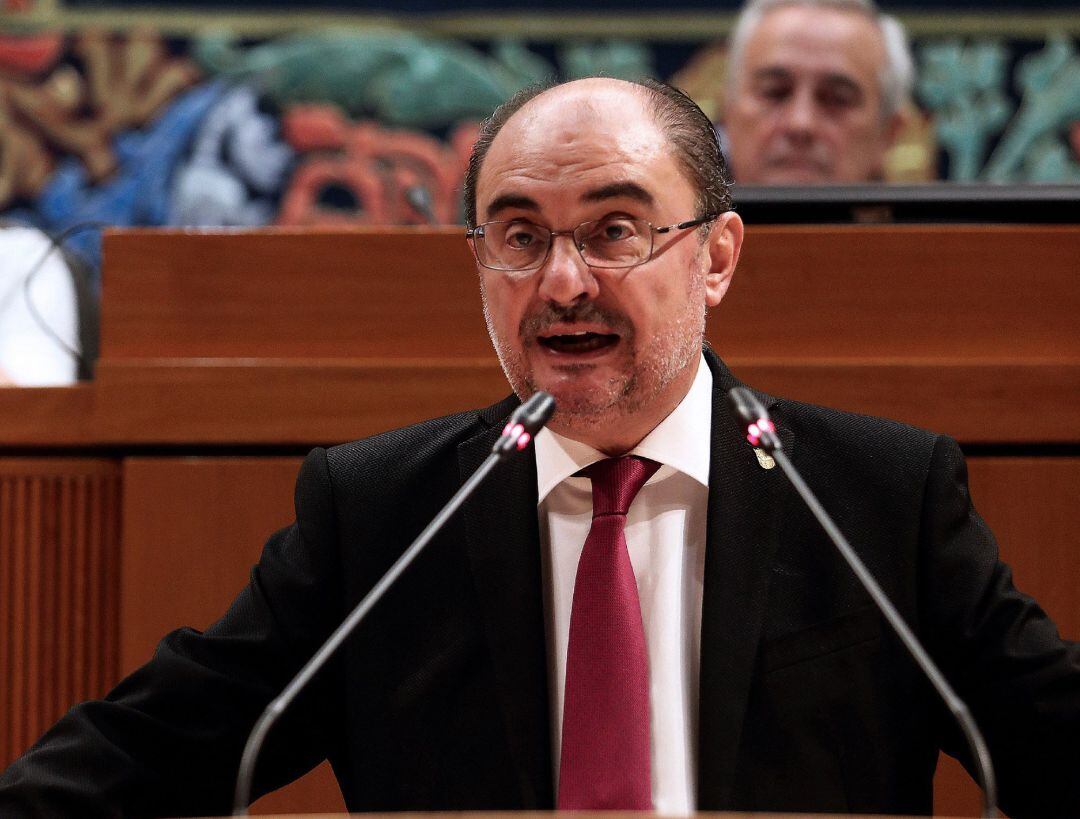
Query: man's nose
[[800, 115], [565, 278]]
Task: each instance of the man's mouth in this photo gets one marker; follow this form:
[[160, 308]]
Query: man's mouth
[[577, 343]]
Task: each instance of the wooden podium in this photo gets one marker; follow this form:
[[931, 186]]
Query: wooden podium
[[136, 503]]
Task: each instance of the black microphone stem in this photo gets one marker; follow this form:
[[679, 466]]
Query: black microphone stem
[[980, 753]]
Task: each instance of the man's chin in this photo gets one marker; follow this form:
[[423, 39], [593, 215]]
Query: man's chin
[[796, 173], [585, 402]]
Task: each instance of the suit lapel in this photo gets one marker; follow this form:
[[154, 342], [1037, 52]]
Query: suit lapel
[[742, 537], [504, 555]]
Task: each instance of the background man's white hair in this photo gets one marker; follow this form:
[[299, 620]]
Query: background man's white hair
[[897, 75]]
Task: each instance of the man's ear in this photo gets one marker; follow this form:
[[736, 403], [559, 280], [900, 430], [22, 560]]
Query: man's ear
[[725, 242]]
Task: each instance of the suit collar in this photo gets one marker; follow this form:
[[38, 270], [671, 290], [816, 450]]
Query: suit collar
[[503, 546], [742, 537]]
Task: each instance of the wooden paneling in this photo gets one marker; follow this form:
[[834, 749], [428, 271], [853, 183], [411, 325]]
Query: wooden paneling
[[800, 293], [280, 293], [59, 591], [278, 402], [48, 416], [907, 292], [193, 527], [295, 337]]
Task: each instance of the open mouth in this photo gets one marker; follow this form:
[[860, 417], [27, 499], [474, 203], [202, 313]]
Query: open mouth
[[578, 343]]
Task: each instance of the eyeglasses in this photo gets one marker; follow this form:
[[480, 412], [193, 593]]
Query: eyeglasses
[[613, 242]]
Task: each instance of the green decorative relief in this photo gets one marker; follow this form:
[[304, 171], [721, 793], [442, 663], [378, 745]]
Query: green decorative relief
[[398, 78], [962, 85], [612, 58], [1034, 146]]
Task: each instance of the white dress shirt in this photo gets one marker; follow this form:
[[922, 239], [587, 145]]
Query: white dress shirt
[[665, 534]]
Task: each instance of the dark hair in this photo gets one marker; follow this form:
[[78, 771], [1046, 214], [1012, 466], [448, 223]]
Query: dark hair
[[689, 130]]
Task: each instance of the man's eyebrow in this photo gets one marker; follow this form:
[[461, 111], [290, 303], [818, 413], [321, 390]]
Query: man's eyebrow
[[619, 190], [508, 201], [771, 72]]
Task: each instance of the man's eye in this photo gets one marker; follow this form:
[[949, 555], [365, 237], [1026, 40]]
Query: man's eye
[[520, 239], [615, 231], [774, 92], [838, 98]]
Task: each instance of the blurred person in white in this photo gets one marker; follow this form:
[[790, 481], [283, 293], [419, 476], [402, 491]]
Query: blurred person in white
[[815, 92], [39, 324]]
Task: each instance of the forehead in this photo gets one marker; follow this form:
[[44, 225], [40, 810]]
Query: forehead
[[817, 42], [573, 140]]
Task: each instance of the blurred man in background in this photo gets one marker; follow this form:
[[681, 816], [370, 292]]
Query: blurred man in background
[[815, 92]]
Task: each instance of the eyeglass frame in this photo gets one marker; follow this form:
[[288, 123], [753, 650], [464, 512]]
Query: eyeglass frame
[[471, 233]]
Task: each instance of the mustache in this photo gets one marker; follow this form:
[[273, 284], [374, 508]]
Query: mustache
[[585, 313]]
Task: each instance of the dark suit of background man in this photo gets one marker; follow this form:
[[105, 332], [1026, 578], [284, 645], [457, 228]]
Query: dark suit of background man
[[772, 681]]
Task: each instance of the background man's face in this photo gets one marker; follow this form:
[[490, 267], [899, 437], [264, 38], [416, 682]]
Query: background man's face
[[807, 105], [578, 153]]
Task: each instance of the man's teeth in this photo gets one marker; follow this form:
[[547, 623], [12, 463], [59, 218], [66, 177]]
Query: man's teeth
[[579, 341]]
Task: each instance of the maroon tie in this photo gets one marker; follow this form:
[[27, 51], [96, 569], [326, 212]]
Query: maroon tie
[[605, 735]]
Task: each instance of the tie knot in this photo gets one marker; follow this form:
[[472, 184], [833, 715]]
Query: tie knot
[[616, 482]]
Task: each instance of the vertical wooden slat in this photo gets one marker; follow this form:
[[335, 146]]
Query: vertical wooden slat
[[94, 557], [36, 537], [59, 584], [7, 506], [19, 631], [110, 585], [79, 574], [63, 609]]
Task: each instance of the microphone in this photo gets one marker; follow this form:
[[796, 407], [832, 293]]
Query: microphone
[[524, 423], [761, 432]]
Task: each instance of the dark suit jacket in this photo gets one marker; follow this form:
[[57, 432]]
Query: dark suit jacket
[[440, 700]]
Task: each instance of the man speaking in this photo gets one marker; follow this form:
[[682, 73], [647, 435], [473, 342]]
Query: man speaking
[[640, 616]]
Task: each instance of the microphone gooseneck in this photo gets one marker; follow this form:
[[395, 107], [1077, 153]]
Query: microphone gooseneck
[[524, 423], [761, 432]]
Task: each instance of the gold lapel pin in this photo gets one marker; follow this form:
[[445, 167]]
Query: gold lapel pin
[[764, 459]]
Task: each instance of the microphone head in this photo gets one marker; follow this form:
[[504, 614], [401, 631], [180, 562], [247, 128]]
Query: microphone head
[[754, 419], [525, 422], [535, 412]]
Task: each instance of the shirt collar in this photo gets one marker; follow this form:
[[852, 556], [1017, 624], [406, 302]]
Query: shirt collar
[[680, 441]]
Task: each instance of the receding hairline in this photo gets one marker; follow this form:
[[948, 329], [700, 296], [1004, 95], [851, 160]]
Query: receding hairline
[[684, 128], [650, 101], [645, 95]]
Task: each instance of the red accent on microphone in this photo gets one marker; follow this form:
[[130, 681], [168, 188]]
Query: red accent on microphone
[[756, 430], [523, 441]]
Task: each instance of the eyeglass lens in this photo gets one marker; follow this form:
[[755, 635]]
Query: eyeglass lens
[[611, 242]]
